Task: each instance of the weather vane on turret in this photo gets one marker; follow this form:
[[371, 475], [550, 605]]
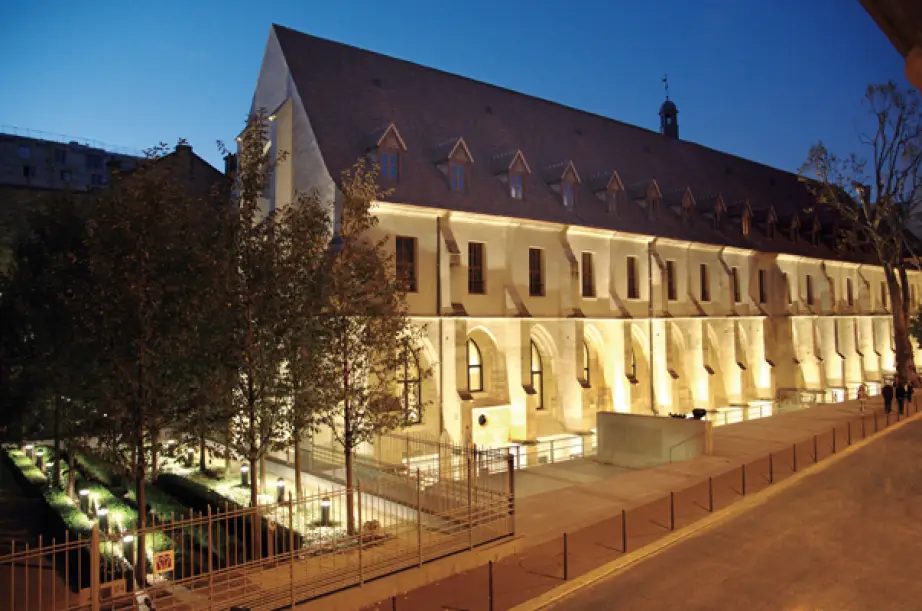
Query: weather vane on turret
[[666, 84]]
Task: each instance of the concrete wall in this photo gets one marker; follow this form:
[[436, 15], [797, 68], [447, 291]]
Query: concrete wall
[[638, 441]]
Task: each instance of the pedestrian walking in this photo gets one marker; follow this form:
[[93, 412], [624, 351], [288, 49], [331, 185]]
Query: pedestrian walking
[[900, 396], [887, 394], [862, 396]]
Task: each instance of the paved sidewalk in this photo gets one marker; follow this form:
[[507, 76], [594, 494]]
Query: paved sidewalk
[[846, 538], [591, 512]]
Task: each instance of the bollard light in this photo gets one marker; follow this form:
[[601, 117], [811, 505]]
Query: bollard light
[[190, 456], [325, 512], [280, 490], [244, 476], [48, 465], [40, 458], [84, 500], [29, 451], [128, 548], [94, 504], [103, 513]]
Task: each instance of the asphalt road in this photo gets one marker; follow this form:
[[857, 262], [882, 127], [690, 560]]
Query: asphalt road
[[846, 538]]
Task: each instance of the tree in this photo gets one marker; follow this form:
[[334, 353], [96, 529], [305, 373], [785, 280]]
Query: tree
[[370, 336], [145, 256], [258, 316], [888, 190], [303, 235]]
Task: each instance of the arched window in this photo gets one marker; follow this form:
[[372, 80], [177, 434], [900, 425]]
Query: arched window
[[474, 367], [586, 379], [537, 374], [408, 383]]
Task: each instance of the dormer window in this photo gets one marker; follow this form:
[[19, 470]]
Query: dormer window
[[746, 223], [389, 164], [385, 148], [454, 160], [516, 185], [567, 194], [563, 179], [458, 176]]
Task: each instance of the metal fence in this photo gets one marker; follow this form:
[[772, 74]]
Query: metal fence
[[267, 557]]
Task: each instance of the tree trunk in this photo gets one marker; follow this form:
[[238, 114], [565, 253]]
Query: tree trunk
[[56, 477], [347, 450], [905, 370], [296, 442], [263, 487], [202, 462], [141, 566], [71, 470], [154, 444]]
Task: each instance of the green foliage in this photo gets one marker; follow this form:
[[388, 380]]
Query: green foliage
[[27, 466]]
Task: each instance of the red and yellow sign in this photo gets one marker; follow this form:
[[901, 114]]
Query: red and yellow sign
[[163, 562]]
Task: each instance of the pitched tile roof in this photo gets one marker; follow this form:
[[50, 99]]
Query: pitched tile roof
[[349, 93]]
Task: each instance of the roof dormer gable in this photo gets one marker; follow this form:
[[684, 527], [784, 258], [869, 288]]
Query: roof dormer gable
[[607, 186], [714, 209], [794, 227], [388, 137], [453, 158], [647, 195], [511, 168], [768, 220], [680, 201]]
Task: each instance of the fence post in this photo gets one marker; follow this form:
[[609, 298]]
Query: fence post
[[794, 453], [291, 542], [509, 467], [210, 556], [552, 451], [771, 469], [361, 538], [565, 556], [875, 422], [672, 511], [470, 508], [94, 568], [743, 472], [491, 585], [624, 531], [419, 514], [833, 440], [711, 494], [816, 457]]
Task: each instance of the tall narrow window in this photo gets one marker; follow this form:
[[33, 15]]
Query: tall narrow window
[[883, 294], [535, 272], [474, 367], [537, 374], [735, 279], [406, 263], [588, 275], [409, 387], [458, 177], [809, 289], [568, 193], [476, 284], [586, 381], [389, 167], [705, 283], [671, 293], [633, 289], [849, 295], [516, 185], [787, 288], [762, 296]]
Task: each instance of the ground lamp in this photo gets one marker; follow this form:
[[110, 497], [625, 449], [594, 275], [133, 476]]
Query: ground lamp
[[128, 547], [103, 513], [40, 459], [325, 512], [48, 465], [84, 500], [280, 490], [190, 456], [29, 452], [244, 475]]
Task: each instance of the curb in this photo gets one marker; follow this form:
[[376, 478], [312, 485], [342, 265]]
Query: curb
[[748, 503]]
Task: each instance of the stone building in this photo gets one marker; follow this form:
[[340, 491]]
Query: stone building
[[564, 263]]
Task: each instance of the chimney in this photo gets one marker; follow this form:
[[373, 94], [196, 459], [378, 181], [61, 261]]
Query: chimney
[[230, 165], [184, 146]]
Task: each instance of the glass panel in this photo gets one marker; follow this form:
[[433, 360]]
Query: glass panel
[[475, 379], [473, 353], [535, 359]]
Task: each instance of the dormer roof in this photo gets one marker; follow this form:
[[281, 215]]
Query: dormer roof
[[558, 172], [509, 161], [454, 149], [646, 190], [386, 135], [605, 181], [681, 201]]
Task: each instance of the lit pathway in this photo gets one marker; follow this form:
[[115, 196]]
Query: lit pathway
[[845, 538]]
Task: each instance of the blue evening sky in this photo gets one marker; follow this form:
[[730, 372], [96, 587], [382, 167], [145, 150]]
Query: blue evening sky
[[762, 79]]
